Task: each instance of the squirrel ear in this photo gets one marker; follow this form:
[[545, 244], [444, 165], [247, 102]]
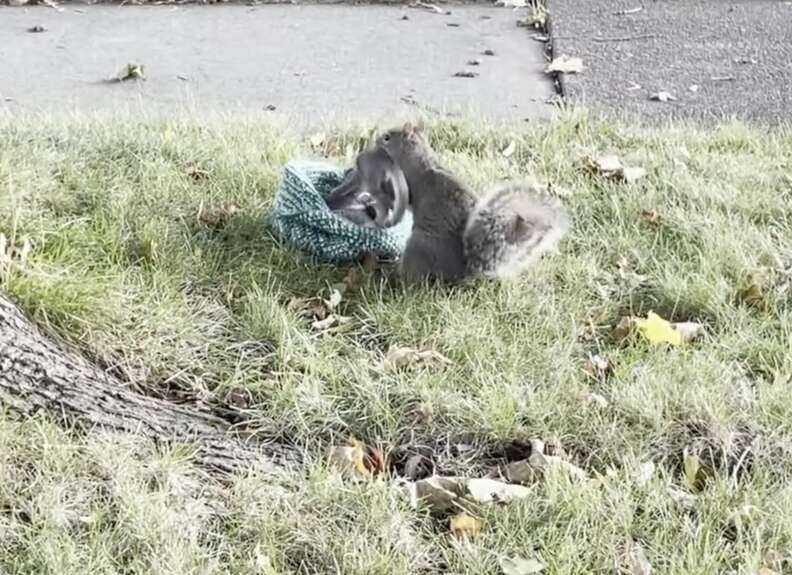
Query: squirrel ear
[[408, 128], [420, 126]]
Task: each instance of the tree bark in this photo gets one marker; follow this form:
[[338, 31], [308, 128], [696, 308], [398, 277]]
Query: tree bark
[[36, 374]]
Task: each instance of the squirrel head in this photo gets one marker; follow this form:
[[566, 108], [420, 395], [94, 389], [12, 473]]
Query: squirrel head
[[405, 143]]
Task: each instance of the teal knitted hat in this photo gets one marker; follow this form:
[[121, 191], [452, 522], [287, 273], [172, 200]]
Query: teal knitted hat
[[300, 217]]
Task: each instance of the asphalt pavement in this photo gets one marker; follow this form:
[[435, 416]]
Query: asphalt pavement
[[311, 63], [717, 58]]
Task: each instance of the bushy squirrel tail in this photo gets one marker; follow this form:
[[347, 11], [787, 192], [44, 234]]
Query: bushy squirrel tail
[[510, 228]]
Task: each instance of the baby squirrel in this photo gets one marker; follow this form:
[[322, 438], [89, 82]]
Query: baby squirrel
[[456, 236], [374, 193]]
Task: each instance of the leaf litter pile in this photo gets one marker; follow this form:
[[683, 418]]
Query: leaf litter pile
[[623, 407]]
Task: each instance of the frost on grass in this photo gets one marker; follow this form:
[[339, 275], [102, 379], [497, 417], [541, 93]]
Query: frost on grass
[[144, 247]]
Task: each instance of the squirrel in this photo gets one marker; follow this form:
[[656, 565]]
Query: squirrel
[[455, 235], [372, 194]]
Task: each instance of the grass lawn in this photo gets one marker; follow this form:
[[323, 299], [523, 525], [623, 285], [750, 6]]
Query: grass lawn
[[129, 260]]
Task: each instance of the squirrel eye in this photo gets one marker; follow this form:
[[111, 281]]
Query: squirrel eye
[[386, 137]]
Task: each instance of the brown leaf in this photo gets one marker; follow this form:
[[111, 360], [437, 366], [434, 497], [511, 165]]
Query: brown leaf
[[238, 397], [538, 463], [352, 279], [624, 329], [37, 29], [418, 467], [691, 466], [196, 173], [356, 456], [331, 321], [401, 357], [349, 458], [217, 216], [611, 166], [465, 74], [752, 294], [598, 367], [464, 525], [437, 493], [374, 460], [651, 217]]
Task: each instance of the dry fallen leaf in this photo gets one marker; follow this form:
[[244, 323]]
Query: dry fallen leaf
[[217, 216], [652, 217], [195, 172], [598, 367], [131, 72], [752, 294], [692, 467], [663, 97], [644, 473], [521, 566], [606, 164], [361, 459], [565, 64], [400, 357], [436, 492], [465, 74], [624, 329], [683, 498], [538, 464], [349, 458], [635, 559], [37, 29], [689, 330], [331, 321], [335, 299], [464, 525], [595, 398], [656, 330], [611, 166], [238, 398], [632, 173], [418, 467], [485, 490]]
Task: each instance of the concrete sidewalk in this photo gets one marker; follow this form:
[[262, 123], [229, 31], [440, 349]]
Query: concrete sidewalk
[[719, 58], [312, 63]]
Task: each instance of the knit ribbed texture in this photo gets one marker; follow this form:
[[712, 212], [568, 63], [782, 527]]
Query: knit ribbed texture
[[301, 218]]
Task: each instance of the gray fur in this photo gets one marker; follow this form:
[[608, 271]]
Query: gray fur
[[454, 236]]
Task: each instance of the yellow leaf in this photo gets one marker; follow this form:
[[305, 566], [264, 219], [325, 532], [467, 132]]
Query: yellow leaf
[[350, 457], [464, 525], [692, 466], [657, 330]]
